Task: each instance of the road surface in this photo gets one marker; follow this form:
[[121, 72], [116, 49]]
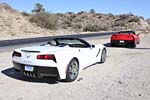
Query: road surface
[[124, 76]]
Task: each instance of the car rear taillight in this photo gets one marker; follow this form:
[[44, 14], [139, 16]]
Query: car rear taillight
[[113, 36], [17, 54], [46, 57], [130, 37]]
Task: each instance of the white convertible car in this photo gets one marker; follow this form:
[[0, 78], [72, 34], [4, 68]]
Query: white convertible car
[[63, 58]]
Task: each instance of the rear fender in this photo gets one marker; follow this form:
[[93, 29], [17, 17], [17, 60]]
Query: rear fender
[[63, 59]]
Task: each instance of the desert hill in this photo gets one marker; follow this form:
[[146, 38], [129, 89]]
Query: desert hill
[[15, 24]]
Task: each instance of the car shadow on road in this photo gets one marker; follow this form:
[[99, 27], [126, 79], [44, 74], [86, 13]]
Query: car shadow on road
[[138, 48], [10, 72], [141, 48], [109, 45]]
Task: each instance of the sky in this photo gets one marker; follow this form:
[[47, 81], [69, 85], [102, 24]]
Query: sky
[[137, 7]]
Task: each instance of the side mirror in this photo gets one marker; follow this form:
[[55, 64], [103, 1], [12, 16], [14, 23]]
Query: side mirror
[[93, 46]]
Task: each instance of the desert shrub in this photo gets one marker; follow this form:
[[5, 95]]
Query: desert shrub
[[104, 27], [78, 26], [60, 14], [6, 7], [70, 13], [118, 28], [148, 28], [125, 16], [78, 19], [148, 20], [92, 11], [81, 12], [45, 20], [119, 23], [38, 8], [95, 27], [134, 19], [73, 16], [84, 16], [66, 24], [25, 13], [110, 15], [90, 27], [100, 16]]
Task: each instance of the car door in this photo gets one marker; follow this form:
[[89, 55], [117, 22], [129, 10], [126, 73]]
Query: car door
[[87, 56]]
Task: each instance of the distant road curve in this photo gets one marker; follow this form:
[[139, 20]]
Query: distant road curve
[[5, 43]]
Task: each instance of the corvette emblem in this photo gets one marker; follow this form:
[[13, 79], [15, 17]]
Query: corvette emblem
[[28, 56]]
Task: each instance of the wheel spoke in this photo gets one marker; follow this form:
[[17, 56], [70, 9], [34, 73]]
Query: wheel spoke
[[73, 70]]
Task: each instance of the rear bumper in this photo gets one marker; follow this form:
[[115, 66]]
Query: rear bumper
[[38, 71], [122, 42]]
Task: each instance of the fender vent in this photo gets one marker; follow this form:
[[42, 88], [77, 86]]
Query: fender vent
[[98, 52]]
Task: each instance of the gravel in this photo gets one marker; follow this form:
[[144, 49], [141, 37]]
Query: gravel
[[124, 76]]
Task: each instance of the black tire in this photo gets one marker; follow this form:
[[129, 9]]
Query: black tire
[[112, 45], [72, 70], [133, 45], [16, 70], [103, 56], [138, 41]]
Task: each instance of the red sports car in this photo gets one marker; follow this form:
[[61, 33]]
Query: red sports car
[[125, 38]]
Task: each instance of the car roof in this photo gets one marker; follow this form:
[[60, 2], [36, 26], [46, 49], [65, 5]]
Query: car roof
[[69, 38]]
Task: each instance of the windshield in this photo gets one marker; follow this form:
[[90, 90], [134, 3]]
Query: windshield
[[127, 32], [69, 41]]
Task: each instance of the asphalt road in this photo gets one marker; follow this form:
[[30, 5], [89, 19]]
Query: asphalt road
[[44, 39], [10, 45], [124, 76]]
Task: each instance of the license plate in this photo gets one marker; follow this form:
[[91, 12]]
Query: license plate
[[29, 68], [121, 41]]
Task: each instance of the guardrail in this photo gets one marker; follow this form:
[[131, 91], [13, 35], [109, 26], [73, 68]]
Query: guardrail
[[44, 39]]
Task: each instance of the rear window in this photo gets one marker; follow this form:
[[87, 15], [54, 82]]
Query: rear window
[[127, 32]]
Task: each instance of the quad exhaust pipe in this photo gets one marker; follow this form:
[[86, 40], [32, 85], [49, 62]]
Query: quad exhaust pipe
[[29, 74]]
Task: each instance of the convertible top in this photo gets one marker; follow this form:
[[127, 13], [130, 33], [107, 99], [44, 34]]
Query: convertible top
[[72, 42], [126, 32], [66, 38]]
